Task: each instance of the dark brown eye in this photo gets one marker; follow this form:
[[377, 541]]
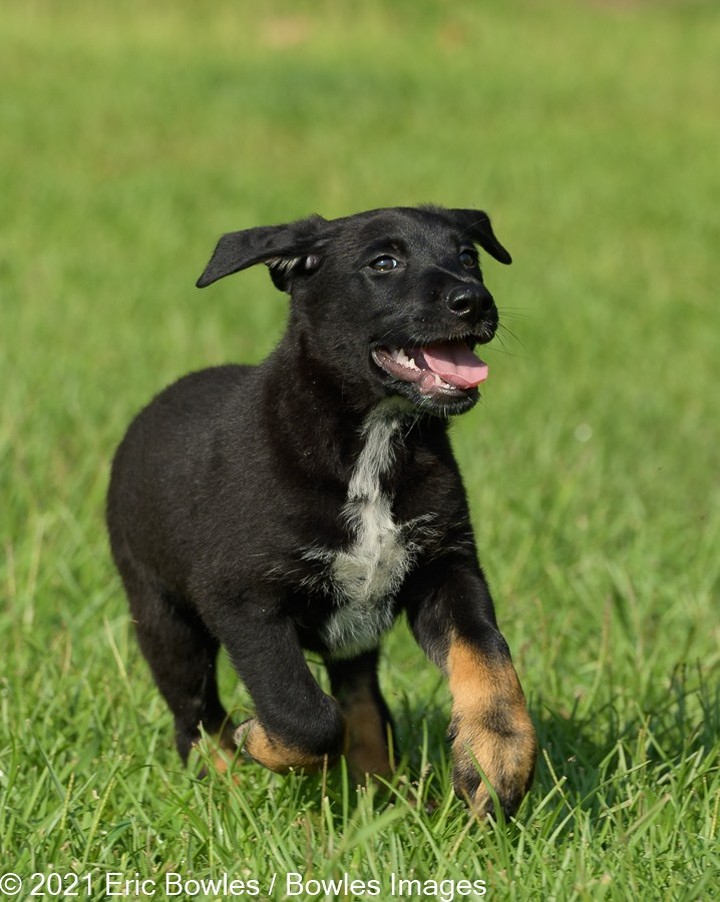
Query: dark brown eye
[[384, 264], [467, 259]]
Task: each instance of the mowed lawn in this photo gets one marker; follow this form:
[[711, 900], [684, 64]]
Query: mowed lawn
[[131, 136]]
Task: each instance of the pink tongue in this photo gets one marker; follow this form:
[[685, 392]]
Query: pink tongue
[[455, 363]]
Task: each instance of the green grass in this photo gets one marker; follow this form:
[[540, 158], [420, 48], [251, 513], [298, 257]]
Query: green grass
[[132, 135]]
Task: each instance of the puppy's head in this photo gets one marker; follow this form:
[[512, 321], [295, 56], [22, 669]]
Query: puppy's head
[[391, 302]]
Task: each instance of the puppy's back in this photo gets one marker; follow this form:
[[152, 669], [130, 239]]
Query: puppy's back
[[171, 447]]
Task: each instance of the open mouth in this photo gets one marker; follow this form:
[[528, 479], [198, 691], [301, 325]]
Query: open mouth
[[440, 369]]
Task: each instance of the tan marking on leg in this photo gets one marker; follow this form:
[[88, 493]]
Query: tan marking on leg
[[493, 728], [366, 739], [273, 753], [217, 750], [224, 754]]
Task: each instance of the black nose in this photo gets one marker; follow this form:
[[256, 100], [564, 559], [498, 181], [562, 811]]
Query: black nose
[[470, 301]]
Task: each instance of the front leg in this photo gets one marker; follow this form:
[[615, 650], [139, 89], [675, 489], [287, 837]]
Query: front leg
[[453, 620], [296, 725]]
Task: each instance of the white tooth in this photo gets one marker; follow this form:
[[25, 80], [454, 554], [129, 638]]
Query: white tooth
[[399, 356], [438, 380]]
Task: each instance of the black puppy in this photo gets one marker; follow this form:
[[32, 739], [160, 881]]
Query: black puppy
[[305, 502]]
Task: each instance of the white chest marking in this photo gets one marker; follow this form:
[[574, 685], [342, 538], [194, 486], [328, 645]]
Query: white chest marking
[[366, 575]]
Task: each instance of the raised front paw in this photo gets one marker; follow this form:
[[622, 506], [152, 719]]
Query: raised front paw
[[491, 731], [308, 753]]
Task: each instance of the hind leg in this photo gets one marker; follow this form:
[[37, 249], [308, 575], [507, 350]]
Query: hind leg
[[182, 655], [355, 685]]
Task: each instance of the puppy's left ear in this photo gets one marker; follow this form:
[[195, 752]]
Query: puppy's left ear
[[477, 227]]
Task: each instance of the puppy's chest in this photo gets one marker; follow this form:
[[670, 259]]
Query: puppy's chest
[[365, 573], [377, 558]]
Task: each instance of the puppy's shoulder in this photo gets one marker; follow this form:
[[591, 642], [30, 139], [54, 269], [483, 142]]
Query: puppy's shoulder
[[209, 381]]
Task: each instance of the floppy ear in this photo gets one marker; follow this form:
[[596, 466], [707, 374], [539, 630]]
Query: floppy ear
[[476, 224], [286, 250]]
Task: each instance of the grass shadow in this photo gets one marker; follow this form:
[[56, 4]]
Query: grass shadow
[[606, 759]]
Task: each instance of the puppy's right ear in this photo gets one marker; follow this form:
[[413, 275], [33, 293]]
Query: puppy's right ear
[[286, 249]]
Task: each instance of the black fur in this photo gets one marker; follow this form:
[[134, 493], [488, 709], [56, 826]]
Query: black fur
[[228, 503]]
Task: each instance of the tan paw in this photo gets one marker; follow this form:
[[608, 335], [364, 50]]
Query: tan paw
[[491, 731], [274, 754]]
